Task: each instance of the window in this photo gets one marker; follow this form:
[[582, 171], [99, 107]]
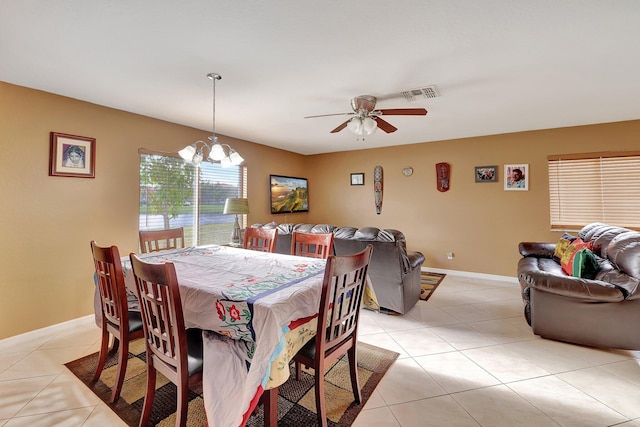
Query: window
[[594, 187], [174, 193]]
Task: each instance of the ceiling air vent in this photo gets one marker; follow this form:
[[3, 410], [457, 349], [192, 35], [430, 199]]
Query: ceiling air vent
[[426, 92]]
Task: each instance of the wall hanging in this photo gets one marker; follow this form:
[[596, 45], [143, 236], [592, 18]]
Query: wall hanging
[[72, 156], [443, 170], [377, 187]]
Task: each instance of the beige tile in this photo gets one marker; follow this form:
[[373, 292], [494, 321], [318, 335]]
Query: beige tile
[[406, 381], [455, 372], [503, 364], [391, 323], [552, 356], [505, 330], [435, 412], [63, 393], [375, 401], [617, 393], [378, 417], [463, 336], [43, 362], [430, 316], [385, 341], [565, 404], [418, 342], [15, 394], [102, 416], [499, 406], [67, 418]]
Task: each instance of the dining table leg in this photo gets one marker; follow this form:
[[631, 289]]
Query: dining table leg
[[270, 401]]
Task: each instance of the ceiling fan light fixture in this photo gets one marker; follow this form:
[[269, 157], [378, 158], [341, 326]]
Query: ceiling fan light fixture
[[370, 125], [355, 125]]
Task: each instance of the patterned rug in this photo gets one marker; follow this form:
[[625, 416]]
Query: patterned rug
[[429, 283], [296, 400]]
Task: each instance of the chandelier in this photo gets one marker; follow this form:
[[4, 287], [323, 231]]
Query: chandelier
[[212, 151]]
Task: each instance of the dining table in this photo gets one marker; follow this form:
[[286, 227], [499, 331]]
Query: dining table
[[256, 310]]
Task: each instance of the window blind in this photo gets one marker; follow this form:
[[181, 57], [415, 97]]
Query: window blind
[[174, 193], [594, 187]]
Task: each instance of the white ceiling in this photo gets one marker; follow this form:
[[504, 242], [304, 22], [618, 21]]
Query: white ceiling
[[500, 65]]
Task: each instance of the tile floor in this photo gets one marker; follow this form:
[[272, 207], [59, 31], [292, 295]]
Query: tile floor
[[467, 358]]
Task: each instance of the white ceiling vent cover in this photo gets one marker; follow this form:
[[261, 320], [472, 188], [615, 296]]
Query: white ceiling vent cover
[[426, 92]]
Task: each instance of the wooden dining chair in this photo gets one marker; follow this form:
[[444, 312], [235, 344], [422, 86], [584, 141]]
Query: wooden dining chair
[[260, 239], [160, 240], [342, 289], [117, 320], [170, 348], [314, 245]]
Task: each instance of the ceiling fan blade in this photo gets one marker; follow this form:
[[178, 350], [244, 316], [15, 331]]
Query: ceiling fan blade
[[327, 115], [339, 128], [384, 125], [403, 112]]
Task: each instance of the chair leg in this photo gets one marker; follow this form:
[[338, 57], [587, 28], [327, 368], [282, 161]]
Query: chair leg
[[149, 395], [183, 402], [353, 369], [104, 348], [319, 389], [298, 371], [123, 358]]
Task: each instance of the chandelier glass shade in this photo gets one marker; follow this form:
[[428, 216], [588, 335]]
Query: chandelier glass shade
[[212, 151]]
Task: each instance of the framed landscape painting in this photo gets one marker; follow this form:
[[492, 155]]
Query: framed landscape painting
[[289, 194]]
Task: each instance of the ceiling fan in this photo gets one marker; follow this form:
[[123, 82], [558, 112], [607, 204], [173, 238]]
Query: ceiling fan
[[366, 119]]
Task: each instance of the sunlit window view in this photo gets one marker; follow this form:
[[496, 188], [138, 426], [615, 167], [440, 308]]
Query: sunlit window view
[[174, 193]]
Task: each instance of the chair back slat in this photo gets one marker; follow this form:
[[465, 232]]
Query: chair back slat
[[314, 245], [260, 239], [110, 282], [161, 309], [342, 291], [160, 240]]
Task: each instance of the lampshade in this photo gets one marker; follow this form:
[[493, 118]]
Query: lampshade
[[355, 125], [370, 125], [236, 206], [217, 153]]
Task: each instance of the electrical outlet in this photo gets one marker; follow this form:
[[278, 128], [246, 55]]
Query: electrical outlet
[[449, 255]]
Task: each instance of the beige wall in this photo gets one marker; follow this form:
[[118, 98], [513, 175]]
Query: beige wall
[[48, 222], [46, 270], [480, 223]]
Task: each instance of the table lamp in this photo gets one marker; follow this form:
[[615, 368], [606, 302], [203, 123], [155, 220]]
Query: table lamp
[[236, 206]]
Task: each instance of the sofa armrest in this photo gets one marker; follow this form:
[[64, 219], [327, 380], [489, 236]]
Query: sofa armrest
[[536, 249], [572, 287], [415, 259]]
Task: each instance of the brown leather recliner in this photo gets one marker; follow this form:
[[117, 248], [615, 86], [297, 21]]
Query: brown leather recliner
[[599, 312], [394, 272]]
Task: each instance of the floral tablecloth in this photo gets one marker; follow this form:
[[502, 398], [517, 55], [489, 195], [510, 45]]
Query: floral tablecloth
[[260, 306]]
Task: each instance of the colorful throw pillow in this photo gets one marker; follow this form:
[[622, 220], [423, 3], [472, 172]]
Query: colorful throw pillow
[[565, 240], [580, 262]]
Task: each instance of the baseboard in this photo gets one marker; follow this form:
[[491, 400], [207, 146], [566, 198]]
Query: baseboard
[[472, 274], [50, 328]]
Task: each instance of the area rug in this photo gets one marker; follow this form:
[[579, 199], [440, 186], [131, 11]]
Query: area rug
[[429, 282], [296, 399]]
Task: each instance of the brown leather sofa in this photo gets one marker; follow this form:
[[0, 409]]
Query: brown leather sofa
[[394, 272], [599, 312]]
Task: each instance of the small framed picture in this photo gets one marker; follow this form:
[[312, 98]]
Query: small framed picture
[[357, 179], [516, 177], [72, 156], [486, 173]]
